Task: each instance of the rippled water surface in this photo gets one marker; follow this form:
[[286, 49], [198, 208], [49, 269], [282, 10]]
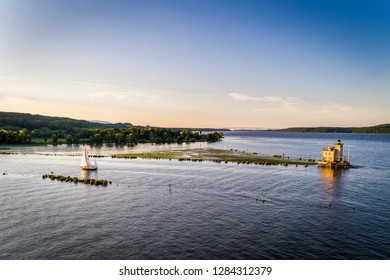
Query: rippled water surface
[[162, 209]]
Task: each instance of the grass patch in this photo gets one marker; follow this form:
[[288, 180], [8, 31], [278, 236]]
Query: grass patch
[[147, 156]]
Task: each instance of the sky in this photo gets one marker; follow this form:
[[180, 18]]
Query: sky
[[203, 63]]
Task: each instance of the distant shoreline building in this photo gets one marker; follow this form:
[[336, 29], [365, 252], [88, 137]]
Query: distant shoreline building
[[333, 156]]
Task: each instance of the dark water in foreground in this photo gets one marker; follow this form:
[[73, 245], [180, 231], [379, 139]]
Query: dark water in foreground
[[210, 212]]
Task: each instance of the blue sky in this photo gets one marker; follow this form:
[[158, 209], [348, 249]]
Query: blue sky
[[265, 64]]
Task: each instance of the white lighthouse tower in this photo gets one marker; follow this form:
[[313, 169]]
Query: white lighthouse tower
[[338, 148]]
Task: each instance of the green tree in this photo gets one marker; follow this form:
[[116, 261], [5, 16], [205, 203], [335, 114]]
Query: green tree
[[69, 139], [54, 139]]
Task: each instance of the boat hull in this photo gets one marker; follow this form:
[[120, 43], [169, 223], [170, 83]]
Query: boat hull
[[88, 167]]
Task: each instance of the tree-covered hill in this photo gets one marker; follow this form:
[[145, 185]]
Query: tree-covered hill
[[379, 129], [16, 121], [21, 128]]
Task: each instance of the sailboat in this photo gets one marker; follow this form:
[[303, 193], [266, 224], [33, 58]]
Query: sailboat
[[85, 163]]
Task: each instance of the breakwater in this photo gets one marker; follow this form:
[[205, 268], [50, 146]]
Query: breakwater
[[76, 180], [219, 156]]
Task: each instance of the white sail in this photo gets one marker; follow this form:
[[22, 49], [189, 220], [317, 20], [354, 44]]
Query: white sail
[[84, 158], [85, 163]]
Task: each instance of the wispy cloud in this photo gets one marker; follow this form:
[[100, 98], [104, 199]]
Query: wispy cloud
[[20, 103], [2, 77], [333, 109], [11, 84], [243, 97], [15, 99], [116, 92], [267, 103]]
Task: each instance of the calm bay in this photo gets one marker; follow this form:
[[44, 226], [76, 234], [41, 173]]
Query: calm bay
[[166, 209]]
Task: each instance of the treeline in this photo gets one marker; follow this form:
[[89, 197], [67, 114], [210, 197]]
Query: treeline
[[317, 129], [136, 135], [98, 136], [22, 128], [378, 129], [15, 137]]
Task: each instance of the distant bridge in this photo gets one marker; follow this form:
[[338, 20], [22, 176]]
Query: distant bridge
[[247, 128]]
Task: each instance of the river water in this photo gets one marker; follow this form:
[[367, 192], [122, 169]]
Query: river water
[[166, 209]]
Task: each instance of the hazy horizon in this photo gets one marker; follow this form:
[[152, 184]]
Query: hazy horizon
[[258, 64], [197, 127]]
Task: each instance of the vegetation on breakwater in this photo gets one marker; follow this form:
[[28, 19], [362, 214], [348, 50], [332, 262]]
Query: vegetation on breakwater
[[261, 199], [219, 156], [76, 180], [147, 156]]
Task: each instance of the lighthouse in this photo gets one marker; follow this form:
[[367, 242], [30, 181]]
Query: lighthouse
[[333, 156], [338, 151]]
